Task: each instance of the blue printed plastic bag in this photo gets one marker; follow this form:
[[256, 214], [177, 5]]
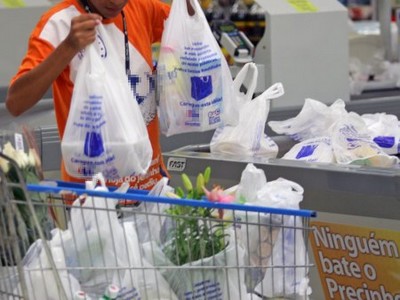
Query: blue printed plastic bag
[[105, 130], [194, 81]]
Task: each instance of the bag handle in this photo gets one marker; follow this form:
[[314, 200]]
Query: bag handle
[[274, 91], [242, 76], [181, 10], [97, 178]]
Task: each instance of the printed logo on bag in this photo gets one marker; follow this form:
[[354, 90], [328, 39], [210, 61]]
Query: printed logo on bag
[[102, 47], [207, 289], [94, 146], [214, 116], [193, 78], [201, 87], [385, 141], [306, 151]]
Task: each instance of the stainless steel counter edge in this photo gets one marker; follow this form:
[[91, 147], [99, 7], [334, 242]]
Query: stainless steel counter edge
[[350, 190]]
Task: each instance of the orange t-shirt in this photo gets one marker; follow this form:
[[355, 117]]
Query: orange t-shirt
[[144, 20]]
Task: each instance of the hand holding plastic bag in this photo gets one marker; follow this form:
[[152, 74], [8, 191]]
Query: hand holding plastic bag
[[195, 83], [105, 130]]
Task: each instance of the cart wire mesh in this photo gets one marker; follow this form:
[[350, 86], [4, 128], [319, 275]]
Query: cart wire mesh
[[159, 248]]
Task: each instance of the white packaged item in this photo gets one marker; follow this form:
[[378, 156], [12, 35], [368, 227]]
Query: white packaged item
[[194, 80], [312, 150], [105, 130]]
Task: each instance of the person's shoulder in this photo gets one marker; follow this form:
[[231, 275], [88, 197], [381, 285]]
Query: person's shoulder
[[62, 10], [56, 20]]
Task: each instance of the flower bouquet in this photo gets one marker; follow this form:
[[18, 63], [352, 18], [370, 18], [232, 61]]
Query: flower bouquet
[[20, 164], [200, 241]]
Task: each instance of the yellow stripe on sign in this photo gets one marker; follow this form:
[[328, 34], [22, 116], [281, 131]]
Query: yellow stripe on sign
[[303, 5], [13, 3]]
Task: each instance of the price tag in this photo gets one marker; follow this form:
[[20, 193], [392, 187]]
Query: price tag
[[19, 142]]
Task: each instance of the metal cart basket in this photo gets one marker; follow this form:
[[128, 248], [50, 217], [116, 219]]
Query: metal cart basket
[[158, 248]]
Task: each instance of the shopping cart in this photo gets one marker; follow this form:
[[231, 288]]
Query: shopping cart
[[163, 248]]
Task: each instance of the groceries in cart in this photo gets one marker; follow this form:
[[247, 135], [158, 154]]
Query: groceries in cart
[[190, 242], [281, 244], [330, 134]]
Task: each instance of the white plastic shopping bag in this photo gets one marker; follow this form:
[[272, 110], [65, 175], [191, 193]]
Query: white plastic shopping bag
[[146, 218], [289, 249], [206, 278], [98, 250], [40, 273], [314, 120], [385, 131], [194, 80], [248, 136], [352, 143], [252, 180], [96, 230], [105, 130], [141, 280], [274, 243], [317, 149]]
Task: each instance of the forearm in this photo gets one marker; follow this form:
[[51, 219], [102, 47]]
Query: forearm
[[27, 90]]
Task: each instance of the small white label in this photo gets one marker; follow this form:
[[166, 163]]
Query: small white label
[[176, 164], [19, 142]]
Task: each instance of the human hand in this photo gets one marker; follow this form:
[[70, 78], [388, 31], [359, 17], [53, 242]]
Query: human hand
[[83, 31]]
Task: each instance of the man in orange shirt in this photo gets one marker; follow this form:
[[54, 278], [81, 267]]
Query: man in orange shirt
[[55, 52]]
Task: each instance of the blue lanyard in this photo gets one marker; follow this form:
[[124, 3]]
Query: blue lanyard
[[126, 40]]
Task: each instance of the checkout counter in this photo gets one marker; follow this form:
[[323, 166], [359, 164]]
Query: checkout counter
[[364, 200], [352, 202]]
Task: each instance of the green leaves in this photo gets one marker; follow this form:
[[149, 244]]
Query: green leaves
[[194, 233]]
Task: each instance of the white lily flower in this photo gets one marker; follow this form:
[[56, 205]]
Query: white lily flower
[[9, 151], [4, 165], [21, 158]]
